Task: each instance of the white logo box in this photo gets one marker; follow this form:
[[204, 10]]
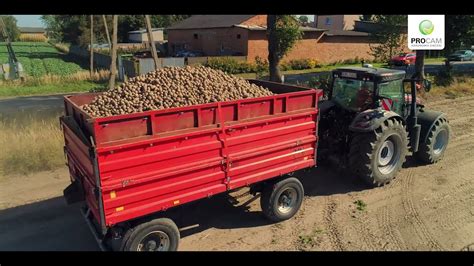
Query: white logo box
[[419, 41]]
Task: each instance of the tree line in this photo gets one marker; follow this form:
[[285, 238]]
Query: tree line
[[75, 29]]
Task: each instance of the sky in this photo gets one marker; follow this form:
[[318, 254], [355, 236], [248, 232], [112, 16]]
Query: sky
[[35, 21], [29, 21]]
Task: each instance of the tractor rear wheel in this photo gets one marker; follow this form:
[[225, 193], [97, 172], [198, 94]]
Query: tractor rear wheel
[[377, 156], [433, 149]]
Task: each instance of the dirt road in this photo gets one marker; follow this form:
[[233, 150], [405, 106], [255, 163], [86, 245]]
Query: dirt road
[[425, 208]]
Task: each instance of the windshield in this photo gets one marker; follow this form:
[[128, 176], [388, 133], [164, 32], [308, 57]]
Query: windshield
[[402, 54], [355, 95], [460, 52]]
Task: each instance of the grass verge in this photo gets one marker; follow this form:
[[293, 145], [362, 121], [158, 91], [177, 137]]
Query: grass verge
[[29, 144], [462, 86], [324, 68], [12, 90]]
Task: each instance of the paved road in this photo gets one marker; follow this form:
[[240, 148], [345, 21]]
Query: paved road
[[35, 105]]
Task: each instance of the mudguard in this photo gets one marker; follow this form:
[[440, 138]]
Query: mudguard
[[371, 119], [427, 119]]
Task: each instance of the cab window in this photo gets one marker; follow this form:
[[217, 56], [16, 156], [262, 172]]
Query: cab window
[[393, 90]]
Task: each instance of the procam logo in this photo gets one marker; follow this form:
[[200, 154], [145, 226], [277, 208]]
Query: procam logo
[[426, 32], [426, 27]]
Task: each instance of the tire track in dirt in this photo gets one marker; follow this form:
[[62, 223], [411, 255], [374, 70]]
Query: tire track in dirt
[[387, 226], [455, 218], [412, 212], [361, 228], [331, 224]]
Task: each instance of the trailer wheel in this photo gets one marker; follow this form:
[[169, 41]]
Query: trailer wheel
[[281, 200], [156, 235], [377, 156], [433, 149]]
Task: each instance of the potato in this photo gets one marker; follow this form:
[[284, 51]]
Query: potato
[[173, 87]]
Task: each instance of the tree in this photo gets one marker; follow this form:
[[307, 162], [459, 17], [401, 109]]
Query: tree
[[113, 63], [389, 36], [283, 32], [459, 31], [75, 29], [91, 48], [107, 30], [420, 66], [10, 27], [303, 19], [151, 41]]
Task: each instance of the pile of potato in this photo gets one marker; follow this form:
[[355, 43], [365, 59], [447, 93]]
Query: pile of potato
[[173, 87]]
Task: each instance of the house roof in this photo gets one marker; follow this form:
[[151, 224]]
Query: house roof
[[210, 21], [256, 28], [143, 31], [32, 30], [345, 33]]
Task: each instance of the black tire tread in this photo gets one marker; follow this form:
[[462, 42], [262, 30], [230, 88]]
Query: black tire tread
[[362, 150], [267, 197], [425, 150], [131, 233]]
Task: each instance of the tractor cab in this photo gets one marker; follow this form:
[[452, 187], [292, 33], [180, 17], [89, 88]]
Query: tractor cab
[[360, 88]]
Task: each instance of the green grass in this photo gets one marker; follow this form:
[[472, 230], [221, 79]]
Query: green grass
[[7, 90], [435, 60], [360, 204]]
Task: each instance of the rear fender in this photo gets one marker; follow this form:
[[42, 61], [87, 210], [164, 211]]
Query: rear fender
[[371, 119], [427, 120]]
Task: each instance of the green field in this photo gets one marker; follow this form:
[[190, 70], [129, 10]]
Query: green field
[[39, 59]]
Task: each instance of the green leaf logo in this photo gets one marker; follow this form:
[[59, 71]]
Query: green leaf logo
[[426, 27]]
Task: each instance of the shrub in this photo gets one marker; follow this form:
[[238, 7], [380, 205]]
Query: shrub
[[445, 76], [261, 65], [231, 65], [322, 82], [298, 64]]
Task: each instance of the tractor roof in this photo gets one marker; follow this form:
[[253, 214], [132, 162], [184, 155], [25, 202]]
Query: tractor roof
[[380, 74]]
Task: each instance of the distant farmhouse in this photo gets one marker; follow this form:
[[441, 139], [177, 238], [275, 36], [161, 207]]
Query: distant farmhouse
[[330, 38]]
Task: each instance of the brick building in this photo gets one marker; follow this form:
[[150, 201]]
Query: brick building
[[245, 35]]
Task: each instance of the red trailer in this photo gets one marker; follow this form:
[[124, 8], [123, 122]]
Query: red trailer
[[128, 167]]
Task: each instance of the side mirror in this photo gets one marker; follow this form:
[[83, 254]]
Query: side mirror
[[427, 85]]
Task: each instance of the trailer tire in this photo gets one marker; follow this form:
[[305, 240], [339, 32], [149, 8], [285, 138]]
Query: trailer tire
[[433, 149], [160, 234], [281, 200], [378, 156]]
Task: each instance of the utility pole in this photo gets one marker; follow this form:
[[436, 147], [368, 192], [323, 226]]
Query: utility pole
[[150, 39], [107, 31], [113, 64], [91, 49]]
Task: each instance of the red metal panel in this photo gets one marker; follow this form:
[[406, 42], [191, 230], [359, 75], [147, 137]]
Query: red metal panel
[[114, 130], [184, 154]]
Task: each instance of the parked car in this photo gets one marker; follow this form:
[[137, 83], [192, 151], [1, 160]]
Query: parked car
[[403, 59], [185, 53], [461, 55]]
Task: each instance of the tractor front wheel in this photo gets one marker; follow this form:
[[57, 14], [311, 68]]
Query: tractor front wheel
[[377, 156]]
